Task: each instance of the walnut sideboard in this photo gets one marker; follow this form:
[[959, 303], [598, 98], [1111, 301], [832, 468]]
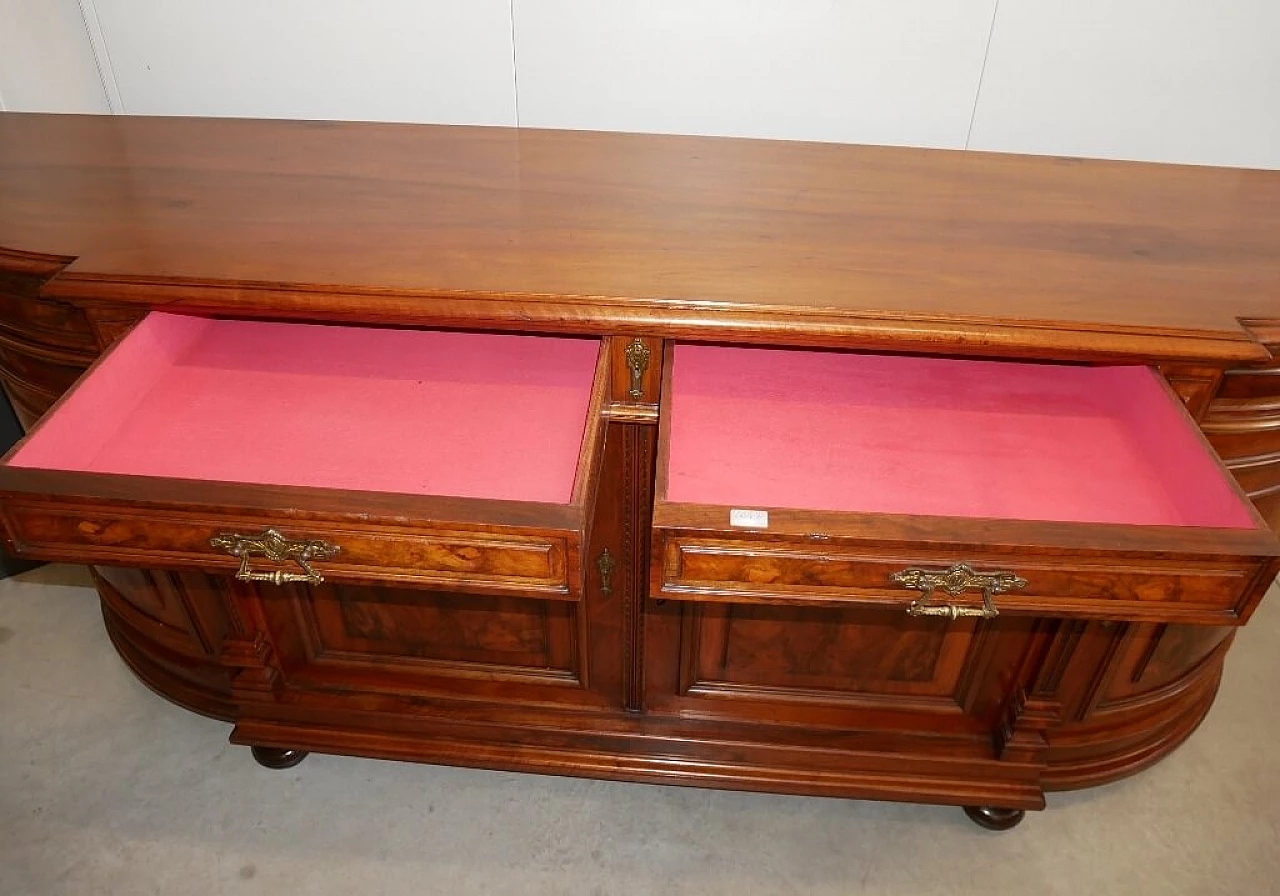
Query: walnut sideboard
[[846, 471]]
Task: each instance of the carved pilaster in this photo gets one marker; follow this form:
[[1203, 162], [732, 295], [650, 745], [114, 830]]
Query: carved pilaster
[[1023, 736], [637, 507], [255, 676]]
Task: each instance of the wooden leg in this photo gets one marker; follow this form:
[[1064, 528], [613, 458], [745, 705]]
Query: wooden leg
[[994, 819], [274, 757]]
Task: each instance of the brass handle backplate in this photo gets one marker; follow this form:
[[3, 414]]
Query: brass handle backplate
[[956, 580], [606, 564], [278, 549], [638, 363]]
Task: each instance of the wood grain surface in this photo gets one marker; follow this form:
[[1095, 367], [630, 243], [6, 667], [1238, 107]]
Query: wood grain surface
[[689, 236]]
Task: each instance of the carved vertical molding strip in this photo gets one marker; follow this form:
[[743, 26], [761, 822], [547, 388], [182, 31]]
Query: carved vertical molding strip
[[637, 505]]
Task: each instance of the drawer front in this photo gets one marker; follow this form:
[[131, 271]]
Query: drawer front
[[368, 456], [53, 372], [946, 487], [1244, 438], [1263, 382], [1211, 590], [49, 323], [494, 559], [1258, 476], [1245, 430], [29, 402], [1268, 505]]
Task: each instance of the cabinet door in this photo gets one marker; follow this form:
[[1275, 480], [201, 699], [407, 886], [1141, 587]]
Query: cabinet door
[[341, 640], [835, 667]]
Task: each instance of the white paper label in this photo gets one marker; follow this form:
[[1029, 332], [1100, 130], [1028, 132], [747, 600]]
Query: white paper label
[[755, 519]]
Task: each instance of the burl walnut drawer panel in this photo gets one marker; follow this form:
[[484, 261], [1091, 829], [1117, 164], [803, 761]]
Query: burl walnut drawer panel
[[946, 487], [1058, 582], [369, 549], [286, 452]]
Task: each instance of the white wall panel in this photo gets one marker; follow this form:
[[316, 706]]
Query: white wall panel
[[46, 60], [1165, 80], [871, 71], [390, 60]]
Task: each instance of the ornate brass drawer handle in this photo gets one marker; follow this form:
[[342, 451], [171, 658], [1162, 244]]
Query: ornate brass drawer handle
[[278, 549], [957, 579]]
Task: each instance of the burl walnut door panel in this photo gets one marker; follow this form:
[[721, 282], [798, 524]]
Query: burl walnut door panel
[[946, 487], [343, 641], [287, 452], [842, 667]]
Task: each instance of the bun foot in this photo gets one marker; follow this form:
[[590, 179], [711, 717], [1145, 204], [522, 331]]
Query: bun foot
[[994, 819], [274, 757]]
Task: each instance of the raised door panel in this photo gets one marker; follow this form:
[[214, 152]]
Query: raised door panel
[[391, 640], [171, 628], [823, 652], [506, 631], [1129, 694], [440, 631], [853, 668], [1157, 658]]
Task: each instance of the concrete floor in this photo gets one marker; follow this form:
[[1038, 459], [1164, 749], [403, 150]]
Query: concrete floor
[[106, 788]]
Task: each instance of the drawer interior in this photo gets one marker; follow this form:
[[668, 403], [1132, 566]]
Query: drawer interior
[[408, 412], [862, 433]]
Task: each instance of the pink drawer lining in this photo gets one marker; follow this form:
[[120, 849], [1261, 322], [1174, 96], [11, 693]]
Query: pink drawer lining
[[401, 411], [925, 436]]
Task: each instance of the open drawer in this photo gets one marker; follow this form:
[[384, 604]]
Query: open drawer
[[945, 487], [297, 452]]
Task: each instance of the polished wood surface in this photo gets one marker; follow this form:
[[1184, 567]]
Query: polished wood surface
[[694, 654], [689, 236]]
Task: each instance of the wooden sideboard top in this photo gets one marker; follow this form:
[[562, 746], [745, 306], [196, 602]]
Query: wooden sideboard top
[[695, 237]]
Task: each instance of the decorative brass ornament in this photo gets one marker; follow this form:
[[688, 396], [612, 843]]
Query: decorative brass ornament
[[957, 579], [606, 564], [278, 549], [638, 363]]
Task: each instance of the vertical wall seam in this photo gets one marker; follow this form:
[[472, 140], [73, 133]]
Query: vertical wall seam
[[515, 70], [3, 107], [101, 55], [982, 74]]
